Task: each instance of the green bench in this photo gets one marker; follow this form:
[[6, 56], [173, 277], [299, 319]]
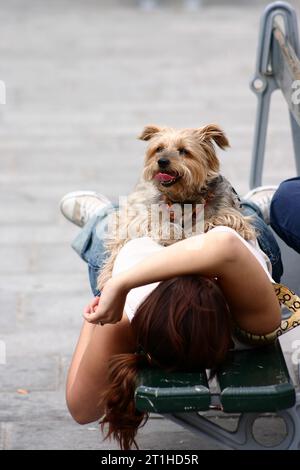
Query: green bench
[[251, 382]]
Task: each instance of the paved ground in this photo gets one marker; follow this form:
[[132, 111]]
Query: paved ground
[[82, 80]]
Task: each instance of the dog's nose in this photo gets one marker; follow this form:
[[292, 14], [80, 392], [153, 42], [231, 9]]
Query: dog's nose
[[163, 162]]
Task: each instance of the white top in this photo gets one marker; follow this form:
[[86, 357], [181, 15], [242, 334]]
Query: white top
[[137, 249]]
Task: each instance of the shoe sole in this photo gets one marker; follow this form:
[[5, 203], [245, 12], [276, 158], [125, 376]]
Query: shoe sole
[[84, 193], [259, 189]]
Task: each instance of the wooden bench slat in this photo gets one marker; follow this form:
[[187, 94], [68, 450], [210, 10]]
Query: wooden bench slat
[[256, 380], [162, 392]]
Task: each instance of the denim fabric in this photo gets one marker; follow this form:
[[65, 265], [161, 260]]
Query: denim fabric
[[266, 239], [284, 212], [89, 243]]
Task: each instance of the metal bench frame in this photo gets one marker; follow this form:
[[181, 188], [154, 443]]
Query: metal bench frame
[[242, 438], [276, 49], [273, 72]]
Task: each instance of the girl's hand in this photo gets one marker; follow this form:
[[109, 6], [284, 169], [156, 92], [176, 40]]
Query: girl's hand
[[109, 306], [91, 307]]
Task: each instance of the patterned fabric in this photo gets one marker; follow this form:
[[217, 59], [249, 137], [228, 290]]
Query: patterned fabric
[[291, 301]]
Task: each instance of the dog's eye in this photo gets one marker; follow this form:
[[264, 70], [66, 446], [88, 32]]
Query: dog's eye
[[159, 149], [182, 151]]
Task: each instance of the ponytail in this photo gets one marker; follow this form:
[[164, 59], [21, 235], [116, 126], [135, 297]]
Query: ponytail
[[121, 415]]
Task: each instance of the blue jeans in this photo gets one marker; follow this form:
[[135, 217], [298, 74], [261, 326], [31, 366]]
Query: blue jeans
[[265, 238], [89, 243], [285, 211]]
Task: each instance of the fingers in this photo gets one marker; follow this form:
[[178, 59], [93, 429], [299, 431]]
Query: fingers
[[93, 314], [90, 317], [91, 306], [95, 301], [93, 318], [87, 309], [99, 319], [96, 313]]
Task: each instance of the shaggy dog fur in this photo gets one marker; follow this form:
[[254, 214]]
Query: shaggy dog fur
[[181, 167]]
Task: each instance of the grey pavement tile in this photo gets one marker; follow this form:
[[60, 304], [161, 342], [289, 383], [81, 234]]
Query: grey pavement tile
[[74, 282], [15, 407], [48, 433], [5, 429], [42, 341], [56, 258], [53, 434], [15, 259], [35, 233], [9, 309], [53, 310], [157, 434], [30, 372]]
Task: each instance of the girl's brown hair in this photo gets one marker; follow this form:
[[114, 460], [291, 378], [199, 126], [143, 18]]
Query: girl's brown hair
[[184, 324]]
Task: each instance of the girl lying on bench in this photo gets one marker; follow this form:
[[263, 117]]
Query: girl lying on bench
[[181, 307]]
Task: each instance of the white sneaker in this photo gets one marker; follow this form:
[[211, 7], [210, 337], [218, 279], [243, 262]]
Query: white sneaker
[[80, 206], [262, 197]]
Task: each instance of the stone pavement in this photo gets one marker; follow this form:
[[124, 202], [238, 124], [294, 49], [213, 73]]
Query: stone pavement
[[82, 80]]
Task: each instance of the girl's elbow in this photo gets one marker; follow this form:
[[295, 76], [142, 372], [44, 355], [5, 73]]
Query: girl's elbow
[[75, 411], [78, 413], [80, 419], [80, 416], [83, 420]]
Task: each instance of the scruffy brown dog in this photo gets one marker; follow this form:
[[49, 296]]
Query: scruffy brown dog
[[181, 166]]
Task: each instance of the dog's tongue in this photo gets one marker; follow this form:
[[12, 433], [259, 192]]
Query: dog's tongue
[[164, 177]]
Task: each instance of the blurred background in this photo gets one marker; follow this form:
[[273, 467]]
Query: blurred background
[[82, 79]]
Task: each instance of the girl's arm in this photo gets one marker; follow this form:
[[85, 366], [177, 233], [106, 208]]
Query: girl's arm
[[88, 372], [246, 286], [208, 255], [83, 341], [205, 254]]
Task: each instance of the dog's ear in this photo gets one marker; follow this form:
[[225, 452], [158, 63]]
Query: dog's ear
[[149, 132], [212, 132]]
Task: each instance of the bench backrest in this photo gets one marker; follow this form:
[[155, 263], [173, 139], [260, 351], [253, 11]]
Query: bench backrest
[[278, 67]]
